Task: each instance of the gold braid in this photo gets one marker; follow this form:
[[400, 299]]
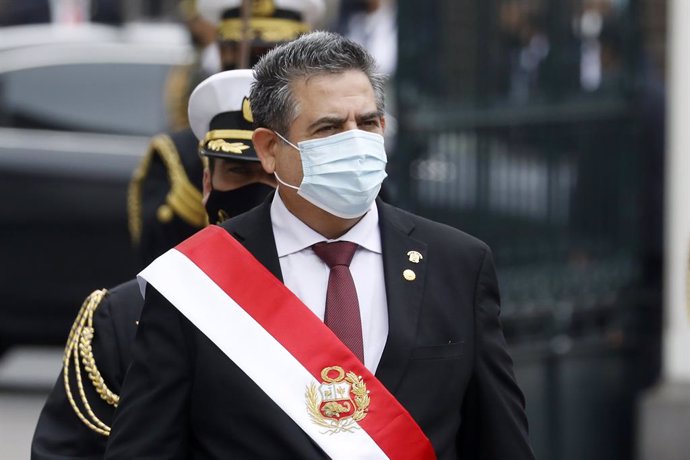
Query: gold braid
[[183, 199], [79, 343]]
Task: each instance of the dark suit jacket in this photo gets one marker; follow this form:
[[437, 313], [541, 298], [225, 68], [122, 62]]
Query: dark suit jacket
[[445, 360]]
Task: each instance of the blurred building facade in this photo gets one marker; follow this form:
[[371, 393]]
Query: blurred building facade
[[664, 411], [539, 127]]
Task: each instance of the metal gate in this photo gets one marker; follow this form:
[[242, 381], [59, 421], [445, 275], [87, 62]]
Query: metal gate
[[537, 126]]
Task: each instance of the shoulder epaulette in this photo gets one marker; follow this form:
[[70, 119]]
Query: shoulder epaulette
[[78, 352], [183, 198]]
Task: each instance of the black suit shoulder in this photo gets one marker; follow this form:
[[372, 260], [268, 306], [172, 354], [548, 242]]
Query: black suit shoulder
[[459, 250], [427, 226]]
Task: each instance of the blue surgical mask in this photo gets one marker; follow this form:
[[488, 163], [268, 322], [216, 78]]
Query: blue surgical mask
[[342, 173]]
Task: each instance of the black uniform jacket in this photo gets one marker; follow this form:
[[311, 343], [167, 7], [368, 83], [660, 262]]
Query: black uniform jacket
[[60, 434], [164, 202], [445, 360]]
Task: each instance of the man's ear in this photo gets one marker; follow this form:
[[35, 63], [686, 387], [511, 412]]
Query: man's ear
[[383, 123], [265, 144]]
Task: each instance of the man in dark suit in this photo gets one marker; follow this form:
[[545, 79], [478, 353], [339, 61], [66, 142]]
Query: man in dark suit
[[429, 366]]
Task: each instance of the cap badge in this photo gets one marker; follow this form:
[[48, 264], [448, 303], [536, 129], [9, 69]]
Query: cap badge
[[339, 402], [414, 256], [218, 145], [263, 7], [247, 110]]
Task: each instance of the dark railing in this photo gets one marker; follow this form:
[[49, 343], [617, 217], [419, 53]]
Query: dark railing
[[521, 123]]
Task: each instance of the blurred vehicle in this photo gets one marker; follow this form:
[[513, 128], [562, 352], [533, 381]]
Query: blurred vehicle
[[77, 108]]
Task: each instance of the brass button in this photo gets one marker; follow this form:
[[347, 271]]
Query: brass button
[[409, 275], [164, 214]]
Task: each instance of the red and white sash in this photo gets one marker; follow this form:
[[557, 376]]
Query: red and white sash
[[285, 349]]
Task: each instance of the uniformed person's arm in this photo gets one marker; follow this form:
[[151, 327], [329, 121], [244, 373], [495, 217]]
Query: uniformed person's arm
[[494, 424], [152, 419], [75, 418]]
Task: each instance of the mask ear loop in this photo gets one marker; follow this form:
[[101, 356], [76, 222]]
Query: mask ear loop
[[280, 181], [287, 141]]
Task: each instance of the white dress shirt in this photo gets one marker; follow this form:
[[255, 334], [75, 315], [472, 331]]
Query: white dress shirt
[[306, 275]]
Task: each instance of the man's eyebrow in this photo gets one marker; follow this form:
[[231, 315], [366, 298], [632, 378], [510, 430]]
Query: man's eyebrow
[[367, 116], [333, 120], [327, 120]]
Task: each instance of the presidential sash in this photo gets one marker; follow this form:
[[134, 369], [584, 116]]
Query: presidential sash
[[235, 301]]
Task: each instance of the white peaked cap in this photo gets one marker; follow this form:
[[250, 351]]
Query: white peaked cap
[[220, 115]]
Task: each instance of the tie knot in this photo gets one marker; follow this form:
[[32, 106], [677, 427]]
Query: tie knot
[[336, 253]]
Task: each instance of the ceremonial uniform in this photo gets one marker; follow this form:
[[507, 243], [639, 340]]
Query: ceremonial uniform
[[76, 418]]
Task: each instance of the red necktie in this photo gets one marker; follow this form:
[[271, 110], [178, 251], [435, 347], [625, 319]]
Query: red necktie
[[342, 306]]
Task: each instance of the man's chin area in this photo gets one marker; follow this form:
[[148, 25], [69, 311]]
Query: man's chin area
[[319, 220]]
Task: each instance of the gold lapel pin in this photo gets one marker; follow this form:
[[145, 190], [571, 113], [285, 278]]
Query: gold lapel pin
[[409, 275], [414, 256]]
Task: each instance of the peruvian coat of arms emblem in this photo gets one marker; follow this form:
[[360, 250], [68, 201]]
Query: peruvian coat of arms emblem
[[339, 402]]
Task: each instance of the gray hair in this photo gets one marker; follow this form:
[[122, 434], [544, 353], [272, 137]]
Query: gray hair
[[315, 53]]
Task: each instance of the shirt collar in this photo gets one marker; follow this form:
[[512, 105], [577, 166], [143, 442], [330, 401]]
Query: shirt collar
[[292, 235]]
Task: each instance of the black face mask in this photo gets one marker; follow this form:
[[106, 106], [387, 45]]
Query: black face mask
[[223, 205]]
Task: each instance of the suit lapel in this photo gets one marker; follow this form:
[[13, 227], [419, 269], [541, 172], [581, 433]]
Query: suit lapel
[[404, 296]]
